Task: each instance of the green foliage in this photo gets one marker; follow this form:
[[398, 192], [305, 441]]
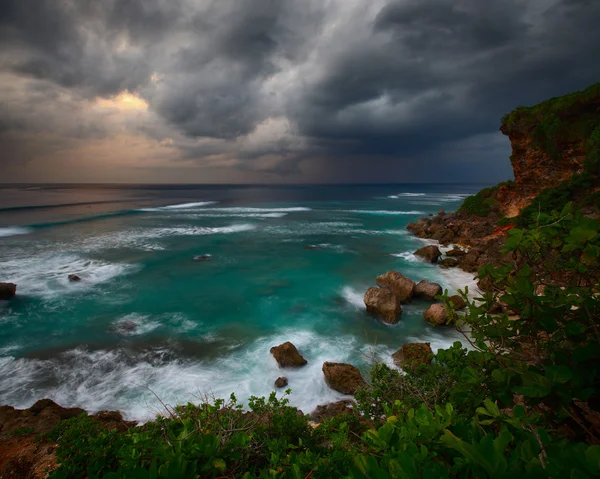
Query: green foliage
[[523, 118], [481, 203], [505, 407], [592, 160]]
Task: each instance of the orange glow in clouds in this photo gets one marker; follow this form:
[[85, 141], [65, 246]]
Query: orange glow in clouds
[[123, 101]]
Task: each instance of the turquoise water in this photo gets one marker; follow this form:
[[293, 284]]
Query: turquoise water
[[286, 264]]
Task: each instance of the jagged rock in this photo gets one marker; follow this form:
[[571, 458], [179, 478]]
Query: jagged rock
[[436, 314], [287, 356], [383, 304], [429, 253], [74, 278], [458, 302], [469, 261], [332, 409], [413, 354], [449, 263], [41, 417], [344, 378], [456, 252], [427, 290], [281, 382], [8, 290], [399, 284]]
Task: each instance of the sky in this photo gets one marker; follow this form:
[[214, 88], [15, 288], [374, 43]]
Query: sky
[[279, 91]]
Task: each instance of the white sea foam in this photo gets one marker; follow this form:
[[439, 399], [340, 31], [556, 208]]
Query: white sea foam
[[47, 275], [182, 206], [117, 379], [407, 256], [218, 214], [412, 194], [199, 230], [295, 209], [135, 324], [353, 296], [14, 231], [384, 212]]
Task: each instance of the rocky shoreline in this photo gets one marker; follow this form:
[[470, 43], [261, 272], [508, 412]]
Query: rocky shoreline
[[476, 241]]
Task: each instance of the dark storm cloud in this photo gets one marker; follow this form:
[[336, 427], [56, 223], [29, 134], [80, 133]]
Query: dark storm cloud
[[266, 85]]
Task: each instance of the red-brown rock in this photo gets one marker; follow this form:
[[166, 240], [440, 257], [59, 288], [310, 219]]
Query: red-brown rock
[[399, 284], [344, 378], [413, 354], [287, 356], [8, 290], [427, 290], [383, 304], [429, 253]]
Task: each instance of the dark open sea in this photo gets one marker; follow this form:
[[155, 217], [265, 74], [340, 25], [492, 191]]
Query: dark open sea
[[147, 319]]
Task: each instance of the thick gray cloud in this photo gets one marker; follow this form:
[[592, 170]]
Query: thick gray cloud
[[279, 89]]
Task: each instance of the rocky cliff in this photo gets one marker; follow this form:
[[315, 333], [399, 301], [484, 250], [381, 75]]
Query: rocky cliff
[[555, 159], [551, 142]]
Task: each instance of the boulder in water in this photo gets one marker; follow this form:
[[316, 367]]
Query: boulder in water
[[413, 354], [427, 290], [287, 356], [429, 253], [281, 382], [383, 304], [344, 378], [74, 278], [202, 257], [8, 290], [399, 284], [436, 314]]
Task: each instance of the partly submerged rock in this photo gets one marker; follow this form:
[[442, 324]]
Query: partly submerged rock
[[74, 278], [8, 290], [413, 354], [126, 326], [436, 314], [383, 304], [449, 263], [427, 290], [399, 284], [202, 257], [287, 356], [429, 253], [332, 409], [344, 378], [281, 382], [458, 302]]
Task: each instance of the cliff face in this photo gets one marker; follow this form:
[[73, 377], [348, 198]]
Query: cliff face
[[550, 143]]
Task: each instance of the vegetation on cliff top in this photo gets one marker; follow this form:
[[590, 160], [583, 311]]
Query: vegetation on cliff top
[[572, 119], [523, 399]]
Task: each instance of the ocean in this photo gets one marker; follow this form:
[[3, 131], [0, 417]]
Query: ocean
[[147, 321]]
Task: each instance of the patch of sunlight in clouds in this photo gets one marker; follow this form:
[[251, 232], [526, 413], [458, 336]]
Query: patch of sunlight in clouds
[[123, 101]]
